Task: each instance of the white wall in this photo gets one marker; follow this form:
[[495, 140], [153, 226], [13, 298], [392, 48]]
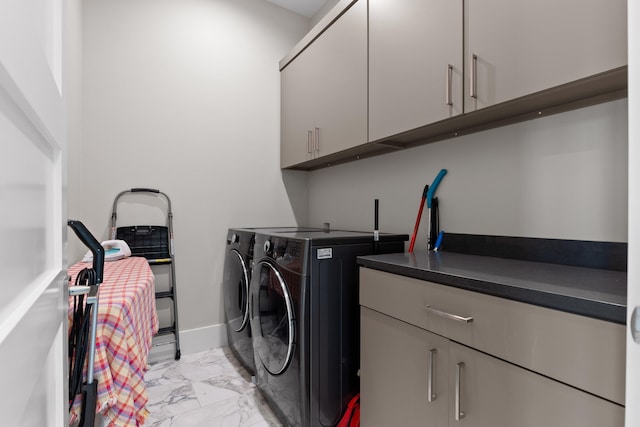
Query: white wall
[[562, 176], [183, 96]]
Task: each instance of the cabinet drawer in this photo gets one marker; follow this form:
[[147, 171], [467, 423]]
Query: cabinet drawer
[[583, 352]]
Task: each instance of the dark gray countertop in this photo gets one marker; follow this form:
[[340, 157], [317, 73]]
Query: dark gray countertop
[[601, 294]]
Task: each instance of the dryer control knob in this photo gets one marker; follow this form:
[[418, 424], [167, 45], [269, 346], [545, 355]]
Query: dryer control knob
[[234, 238], [267, 246]]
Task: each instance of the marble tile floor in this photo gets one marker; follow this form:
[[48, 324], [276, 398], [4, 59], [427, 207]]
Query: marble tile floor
[[207, 389]]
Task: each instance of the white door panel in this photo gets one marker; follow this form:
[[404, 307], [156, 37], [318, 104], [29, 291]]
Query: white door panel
[[31, 55], [26, 177], [30, 357], [33, 306]]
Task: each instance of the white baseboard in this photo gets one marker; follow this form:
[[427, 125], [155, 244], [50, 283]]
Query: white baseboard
[[191, 341], [201, 339]]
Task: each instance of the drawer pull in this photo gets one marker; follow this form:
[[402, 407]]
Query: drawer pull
[[448, 96], [432, 360], [474, 77], [449, 315], [458, 406]]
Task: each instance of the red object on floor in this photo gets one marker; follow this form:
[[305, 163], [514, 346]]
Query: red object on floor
[[351, 417]]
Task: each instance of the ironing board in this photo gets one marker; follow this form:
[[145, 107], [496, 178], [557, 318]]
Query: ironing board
[[127, 321]]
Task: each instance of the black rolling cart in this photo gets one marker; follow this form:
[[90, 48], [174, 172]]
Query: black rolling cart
[[83, 330], [155, 243]]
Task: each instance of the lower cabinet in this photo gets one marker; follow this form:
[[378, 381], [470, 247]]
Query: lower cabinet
[[488, 392], [403, 373], [412, 377]]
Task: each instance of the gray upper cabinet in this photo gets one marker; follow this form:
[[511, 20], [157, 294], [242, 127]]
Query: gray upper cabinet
[[324, 92], [415, 64], [380, 75], [515, 48], [296, 110]]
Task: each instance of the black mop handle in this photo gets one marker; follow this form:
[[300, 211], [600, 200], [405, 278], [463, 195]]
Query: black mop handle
[[94, 246], [376, 234]]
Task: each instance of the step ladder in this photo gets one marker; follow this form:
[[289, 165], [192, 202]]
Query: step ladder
[[155, 243]]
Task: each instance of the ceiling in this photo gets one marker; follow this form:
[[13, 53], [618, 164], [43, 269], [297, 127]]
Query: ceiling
[[306, 8]]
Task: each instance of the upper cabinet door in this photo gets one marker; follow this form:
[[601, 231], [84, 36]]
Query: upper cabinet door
[[517, 47], [415, 64], [296, 114], [340, 81], [324, 92]]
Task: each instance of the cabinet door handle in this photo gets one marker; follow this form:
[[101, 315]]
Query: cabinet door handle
[[635, 325], [474, 77], [430, 385], [309, 141], [317, 141], [444, 314], [458, 406], [448, 95]]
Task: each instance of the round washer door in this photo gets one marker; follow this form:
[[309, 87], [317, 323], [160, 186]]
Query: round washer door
[[275, 338], [236, 291]]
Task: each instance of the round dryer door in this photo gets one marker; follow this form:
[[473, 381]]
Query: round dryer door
[[274, 341], [236, 291]]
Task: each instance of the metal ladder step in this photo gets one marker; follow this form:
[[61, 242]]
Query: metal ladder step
[[155, 243], [165, 294], [167, 330], [160, 261]]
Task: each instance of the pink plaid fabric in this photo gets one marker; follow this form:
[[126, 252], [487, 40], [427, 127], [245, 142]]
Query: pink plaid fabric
[[127, 321]]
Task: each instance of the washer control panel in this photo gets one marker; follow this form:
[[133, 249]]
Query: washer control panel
[[286, 252]]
